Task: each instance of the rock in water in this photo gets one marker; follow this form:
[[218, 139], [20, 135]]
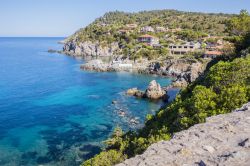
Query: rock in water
[[135, 92], [154, 91]]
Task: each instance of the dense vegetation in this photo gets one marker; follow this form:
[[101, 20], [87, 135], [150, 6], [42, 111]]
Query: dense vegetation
[[106, 27], [180, 26], [224, 87]]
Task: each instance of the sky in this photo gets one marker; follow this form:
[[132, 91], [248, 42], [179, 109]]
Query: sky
[[61, 18]]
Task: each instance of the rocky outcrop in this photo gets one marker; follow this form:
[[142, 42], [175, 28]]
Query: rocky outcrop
[[153, 92], [184, 70], [89, 48], [99, 66], [96, 65], [222, 140], [135, 92]]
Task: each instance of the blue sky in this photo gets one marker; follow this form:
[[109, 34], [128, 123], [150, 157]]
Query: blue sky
[[64, 17]]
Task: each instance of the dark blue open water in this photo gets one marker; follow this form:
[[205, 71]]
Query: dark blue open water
[[52, 113]]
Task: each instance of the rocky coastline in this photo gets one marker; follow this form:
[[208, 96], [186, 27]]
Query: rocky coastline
[[183, 70]]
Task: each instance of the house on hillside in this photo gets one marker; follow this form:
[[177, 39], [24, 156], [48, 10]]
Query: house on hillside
[[148, 39], [213, 47], [121, 64], [212, 54], [160, 29], [102, 24], [181, 49], [124, 31], [147, 29], [131, 26], [216, 45]]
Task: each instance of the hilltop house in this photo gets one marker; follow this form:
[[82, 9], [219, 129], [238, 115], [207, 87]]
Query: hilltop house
[[147, 29], [148, 39], [184, 48]]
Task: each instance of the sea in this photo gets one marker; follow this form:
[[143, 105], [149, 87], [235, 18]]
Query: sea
[[54, 113]]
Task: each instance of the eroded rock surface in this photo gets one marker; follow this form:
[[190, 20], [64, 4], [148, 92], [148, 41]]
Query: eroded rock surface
[[224, 140], [185, 70], [89, 48], [153, 92]]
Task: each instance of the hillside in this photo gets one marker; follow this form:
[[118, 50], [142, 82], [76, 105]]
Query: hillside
[[146, 34], [112, 22], [163, 42], [223, 87]]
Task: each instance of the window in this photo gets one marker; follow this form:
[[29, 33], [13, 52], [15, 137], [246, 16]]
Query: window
[[191, 46], [174, 46], [185, 47]]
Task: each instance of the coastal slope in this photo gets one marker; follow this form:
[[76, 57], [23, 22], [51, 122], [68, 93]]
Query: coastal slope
[[222, 140], [142, 43]]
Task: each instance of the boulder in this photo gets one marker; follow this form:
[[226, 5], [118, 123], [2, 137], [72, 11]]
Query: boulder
[[154, 91], [135, 92]]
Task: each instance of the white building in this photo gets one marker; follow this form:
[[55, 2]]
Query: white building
[[147, 29], [161, 29], [184, 48], [148, 39]]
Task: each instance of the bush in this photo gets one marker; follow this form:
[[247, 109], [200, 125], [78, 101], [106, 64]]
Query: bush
[[106, 158]]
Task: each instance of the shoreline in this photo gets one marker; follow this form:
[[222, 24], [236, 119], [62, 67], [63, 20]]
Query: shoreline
[[181, 71]]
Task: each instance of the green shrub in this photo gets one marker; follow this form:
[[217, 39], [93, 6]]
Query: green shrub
[[106, 158]]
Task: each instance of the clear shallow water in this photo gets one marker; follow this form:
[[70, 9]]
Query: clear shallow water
[[52, 113]]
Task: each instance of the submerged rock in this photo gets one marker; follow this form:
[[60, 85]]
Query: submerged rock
[[52, 51], [114, 102]]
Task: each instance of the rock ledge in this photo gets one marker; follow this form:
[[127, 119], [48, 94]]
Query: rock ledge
[[222, 140]]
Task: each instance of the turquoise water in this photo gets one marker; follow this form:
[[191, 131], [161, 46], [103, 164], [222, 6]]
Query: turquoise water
[[52, 113]]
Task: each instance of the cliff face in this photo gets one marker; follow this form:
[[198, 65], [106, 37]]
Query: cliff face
[[184, 70], [222, 140], [89, 48]]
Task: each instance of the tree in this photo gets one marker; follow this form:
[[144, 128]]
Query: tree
[[240, 25], [232, 97]]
